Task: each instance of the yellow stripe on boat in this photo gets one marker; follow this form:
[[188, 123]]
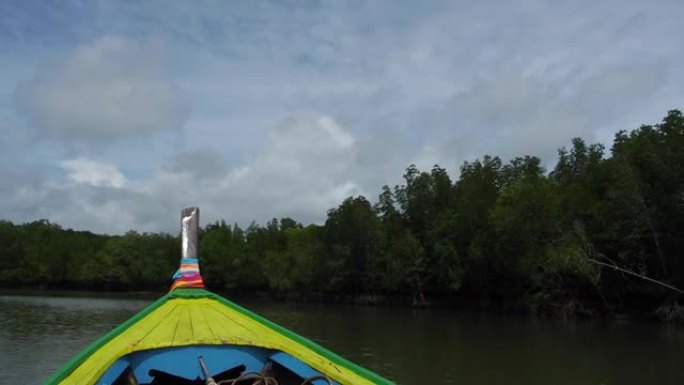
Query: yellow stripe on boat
[[198, 317]]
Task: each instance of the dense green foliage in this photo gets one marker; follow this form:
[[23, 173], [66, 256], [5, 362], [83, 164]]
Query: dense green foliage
[[580, 239]]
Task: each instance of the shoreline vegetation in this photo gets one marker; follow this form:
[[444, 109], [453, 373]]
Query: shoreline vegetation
[[599, 235]]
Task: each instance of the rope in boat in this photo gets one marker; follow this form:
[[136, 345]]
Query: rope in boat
[[261, 378], [266, 380]]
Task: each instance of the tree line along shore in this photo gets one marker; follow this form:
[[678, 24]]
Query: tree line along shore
[[600, 234]]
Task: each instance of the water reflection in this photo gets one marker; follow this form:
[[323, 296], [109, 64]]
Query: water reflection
[[39, 334], [437, 346]]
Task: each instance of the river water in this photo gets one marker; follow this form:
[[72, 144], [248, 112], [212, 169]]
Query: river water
[[38, 334]]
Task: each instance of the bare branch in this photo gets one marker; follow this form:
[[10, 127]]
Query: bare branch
[[622, 270]]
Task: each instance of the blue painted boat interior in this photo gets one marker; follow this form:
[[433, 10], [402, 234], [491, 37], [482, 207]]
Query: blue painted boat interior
[[181, 366]]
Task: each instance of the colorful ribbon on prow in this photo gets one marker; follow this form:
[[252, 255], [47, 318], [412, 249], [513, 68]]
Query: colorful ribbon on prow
[[188, 275]]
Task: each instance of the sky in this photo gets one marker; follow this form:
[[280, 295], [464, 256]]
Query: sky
[[114, 115]]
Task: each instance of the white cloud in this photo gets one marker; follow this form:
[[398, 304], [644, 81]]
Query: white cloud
[[306, 167], [111, 88], [95, 173]]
